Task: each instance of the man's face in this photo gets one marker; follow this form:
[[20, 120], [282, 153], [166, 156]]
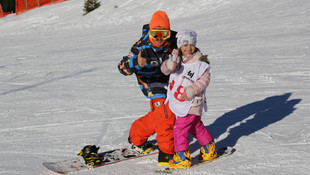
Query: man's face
[[159, 41]]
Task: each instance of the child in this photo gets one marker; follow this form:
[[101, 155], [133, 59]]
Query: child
[[189, 77]]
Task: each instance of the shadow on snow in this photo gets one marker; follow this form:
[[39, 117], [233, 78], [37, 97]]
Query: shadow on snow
[[248, 119]]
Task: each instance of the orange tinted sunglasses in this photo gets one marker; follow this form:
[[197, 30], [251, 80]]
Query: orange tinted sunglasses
[[159, 34]]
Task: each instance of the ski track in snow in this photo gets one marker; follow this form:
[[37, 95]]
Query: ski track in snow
[[60, 88]]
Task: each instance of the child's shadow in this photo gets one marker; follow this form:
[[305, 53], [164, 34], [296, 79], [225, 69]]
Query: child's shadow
[[249, 119]]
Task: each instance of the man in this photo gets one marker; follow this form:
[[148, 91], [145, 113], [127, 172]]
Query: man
[[144, 60]]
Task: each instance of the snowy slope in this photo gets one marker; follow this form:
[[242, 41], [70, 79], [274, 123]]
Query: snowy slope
[[60, 88]]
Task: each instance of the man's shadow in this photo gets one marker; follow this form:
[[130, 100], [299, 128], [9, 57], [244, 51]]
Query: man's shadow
[[248, 119]]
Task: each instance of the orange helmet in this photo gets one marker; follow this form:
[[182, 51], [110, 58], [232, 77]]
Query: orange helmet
[[160, 19]]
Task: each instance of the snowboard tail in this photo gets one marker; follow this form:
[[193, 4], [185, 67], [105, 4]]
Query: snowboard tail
[[107, 157]]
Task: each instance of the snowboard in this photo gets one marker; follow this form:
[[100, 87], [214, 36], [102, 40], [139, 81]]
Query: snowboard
[[107, 157], [221, 153]]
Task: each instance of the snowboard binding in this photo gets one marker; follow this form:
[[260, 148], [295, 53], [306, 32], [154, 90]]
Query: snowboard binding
[[90, 155]]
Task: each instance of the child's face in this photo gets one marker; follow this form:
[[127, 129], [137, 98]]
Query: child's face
[[187, 49]]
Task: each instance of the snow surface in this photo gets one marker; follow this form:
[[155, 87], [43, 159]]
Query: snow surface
[[60, 88]]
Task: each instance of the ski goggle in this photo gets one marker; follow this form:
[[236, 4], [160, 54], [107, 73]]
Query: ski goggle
[[159, 34]]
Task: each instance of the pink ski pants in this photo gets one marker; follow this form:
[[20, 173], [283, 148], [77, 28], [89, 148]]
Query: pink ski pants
[[189, 124]]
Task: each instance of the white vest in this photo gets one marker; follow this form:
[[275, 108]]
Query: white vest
[[179, 80]]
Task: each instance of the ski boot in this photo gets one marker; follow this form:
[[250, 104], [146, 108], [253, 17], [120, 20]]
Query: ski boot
[[145, 148], [90, 155], [181, 160], [207, 152], [164, 158]]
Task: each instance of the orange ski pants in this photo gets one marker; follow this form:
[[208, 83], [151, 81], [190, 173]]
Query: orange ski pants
[[159, 120]]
